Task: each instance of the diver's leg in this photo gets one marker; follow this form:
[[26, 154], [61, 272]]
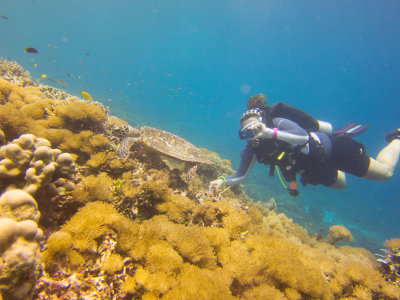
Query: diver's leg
[[383, 166], [340, 183]]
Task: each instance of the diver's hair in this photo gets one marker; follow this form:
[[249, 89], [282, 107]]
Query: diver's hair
[[257, 101]]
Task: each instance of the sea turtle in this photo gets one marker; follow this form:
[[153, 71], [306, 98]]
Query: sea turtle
[[162, 142]]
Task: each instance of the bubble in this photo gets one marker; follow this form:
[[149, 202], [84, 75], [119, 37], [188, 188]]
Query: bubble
[[245, 88]]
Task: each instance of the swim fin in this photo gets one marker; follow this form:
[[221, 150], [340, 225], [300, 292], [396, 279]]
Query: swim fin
[[395, 134], [351, 130]]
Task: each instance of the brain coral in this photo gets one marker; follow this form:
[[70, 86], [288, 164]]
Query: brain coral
[[19, 249]]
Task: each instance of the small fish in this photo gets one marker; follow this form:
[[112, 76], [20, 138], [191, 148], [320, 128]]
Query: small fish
[[35, 65], [86, 53], [51, 79], [4, 17], [43, 76], [69, 74], [86, 95], [31, 50], [61, 82]]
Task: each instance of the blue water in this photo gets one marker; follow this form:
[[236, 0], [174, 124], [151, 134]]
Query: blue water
[[189, 66]]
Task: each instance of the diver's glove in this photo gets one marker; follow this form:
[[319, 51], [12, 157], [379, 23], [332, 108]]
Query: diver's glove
[[216, 184]]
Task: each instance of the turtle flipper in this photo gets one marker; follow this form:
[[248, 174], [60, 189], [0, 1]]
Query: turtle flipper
[[124, 147]]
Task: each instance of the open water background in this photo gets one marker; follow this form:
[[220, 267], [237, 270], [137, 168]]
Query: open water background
[[188, 67]]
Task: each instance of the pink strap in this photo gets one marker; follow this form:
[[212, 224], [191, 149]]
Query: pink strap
[[275, 133]]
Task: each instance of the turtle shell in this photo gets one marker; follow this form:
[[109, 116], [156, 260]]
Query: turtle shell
[[171, 145]]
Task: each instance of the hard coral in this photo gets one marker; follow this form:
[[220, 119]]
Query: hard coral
[[13, 72], [40, 165], [19, 249], [84, 144]]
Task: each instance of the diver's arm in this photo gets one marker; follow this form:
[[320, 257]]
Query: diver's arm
[[289, 132], [243, 172], [285, 131], [248, 159]]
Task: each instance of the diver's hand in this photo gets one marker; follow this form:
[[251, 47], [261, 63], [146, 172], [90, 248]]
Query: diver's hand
[[215, 184], [261, 131]]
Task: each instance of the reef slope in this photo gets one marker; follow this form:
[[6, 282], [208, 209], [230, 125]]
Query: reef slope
[[144, 226]]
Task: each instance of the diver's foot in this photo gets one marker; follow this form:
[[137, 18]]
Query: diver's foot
[[393, 135]]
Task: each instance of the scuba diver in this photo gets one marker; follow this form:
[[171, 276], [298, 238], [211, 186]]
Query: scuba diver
[[293, 142]]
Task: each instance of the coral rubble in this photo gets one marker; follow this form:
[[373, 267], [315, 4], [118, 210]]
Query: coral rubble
[[145, 226]]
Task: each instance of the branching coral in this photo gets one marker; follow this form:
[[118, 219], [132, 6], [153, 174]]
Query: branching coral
[[13, 72]]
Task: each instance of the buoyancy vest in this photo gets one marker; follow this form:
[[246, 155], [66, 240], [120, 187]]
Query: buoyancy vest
[[283, 110], [290, 160]]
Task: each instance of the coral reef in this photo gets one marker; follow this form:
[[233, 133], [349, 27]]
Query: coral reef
[[19, 249], [161, 258], [390, 261], [145, 226]]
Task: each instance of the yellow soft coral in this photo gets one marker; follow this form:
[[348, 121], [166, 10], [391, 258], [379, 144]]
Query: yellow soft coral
[[265, 291], [13, 122], [393, 244], [162, 257], [338, 233], [196, 283], [60, 247], [81, 115], [112, 264], [94, 188], [177, 207]]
